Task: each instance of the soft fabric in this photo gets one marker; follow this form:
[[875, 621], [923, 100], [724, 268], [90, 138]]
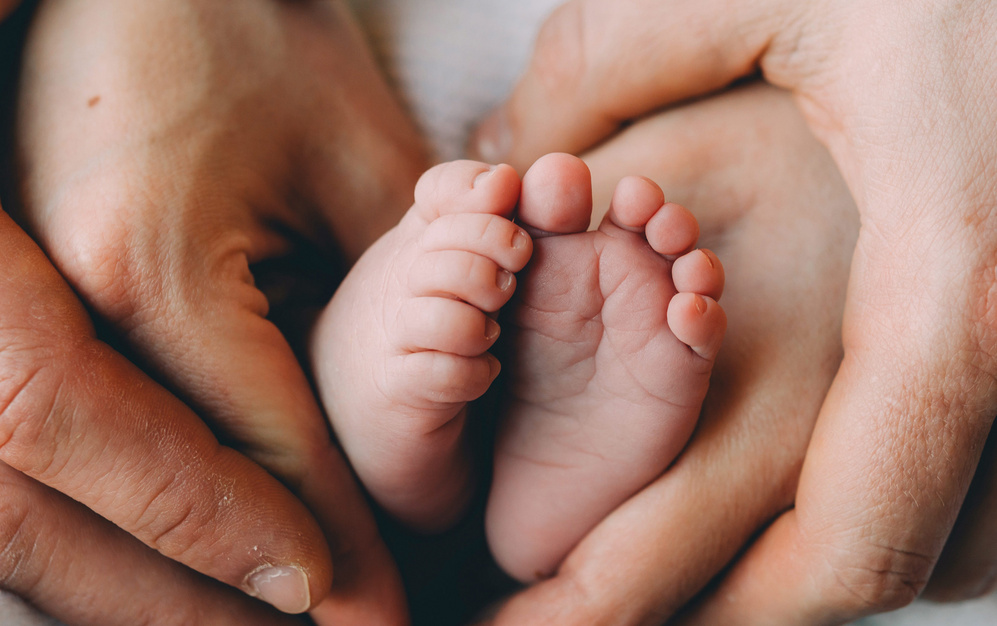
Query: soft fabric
[[452, 60]]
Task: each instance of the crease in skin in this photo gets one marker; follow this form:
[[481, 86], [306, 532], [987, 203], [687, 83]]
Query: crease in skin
[[568, 438], [650, 398], [583, 320], [535, 461], [159, 538], [12, 393]]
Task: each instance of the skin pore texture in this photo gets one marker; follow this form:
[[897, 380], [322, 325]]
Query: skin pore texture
[[742, 468], [403, 348], [164, 150], [899, 93], [611, 340], [772, 206]]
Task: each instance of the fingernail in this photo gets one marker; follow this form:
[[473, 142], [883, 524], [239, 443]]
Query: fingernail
[[493, 140], [285, 588], [503, 280], [520, 240], [700, 304], [483, 175], [491, 329], [494, 367], [709, 259]]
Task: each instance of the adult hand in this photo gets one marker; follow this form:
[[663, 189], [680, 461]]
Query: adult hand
[[900, 92], [80, 418], [772, 205], [163, 147]]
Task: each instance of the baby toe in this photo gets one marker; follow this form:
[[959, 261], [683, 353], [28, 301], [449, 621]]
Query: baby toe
[[699, 322], [635, 200], [556, 196], [466, 187], [445, 325], [491, 236], [672, 230], [699, 271], [475, 279], [444, 378]]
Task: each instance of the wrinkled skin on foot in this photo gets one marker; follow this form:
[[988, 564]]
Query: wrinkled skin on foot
[[900, 92], [612, 336], [162, 149]]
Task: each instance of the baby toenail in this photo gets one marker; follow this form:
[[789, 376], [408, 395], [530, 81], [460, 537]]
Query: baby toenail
[[709, 259], [482, 176], [503, 280], [491, 329], [700, 304], [520, 240]]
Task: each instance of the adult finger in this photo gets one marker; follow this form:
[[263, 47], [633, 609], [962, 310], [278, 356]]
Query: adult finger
[[80, 418], [871, 518], [597, 64], [81, 569], [193, 315], [856, 546], [155, 242], [785, 238], [902, 429], [159, 244]]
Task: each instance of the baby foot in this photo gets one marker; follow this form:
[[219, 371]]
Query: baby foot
[[403, 345], [613, 336]]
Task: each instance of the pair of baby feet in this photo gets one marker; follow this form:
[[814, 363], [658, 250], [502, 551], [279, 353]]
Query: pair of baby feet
[[613, 335]]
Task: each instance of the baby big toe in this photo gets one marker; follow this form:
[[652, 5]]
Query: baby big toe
[[697, 321], [699, 271], [557, 195], [466, 187]]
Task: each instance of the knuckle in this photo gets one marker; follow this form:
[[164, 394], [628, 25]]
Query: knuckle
[[141, 260], [96, 249], [30, 419], [102, 273], [878, 578], [179, 515], [131, 252]]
